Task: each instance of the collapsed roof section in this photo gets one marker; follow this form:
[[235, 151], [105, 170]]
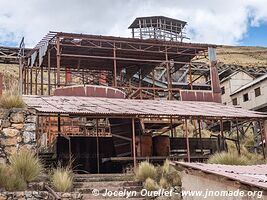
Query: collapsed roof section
[[142, 68]]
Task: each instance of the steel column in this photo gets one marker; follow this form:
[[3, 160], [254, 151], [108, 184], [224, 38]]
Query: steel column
[[58, 62], [49, 71], [133, 138], [187, 141]]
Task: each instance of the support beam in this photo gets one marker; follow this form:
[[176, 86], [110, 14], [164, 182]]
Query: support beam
[[42, 80], [36, 81], [97, 147], [134, 148], [187, 141], [222, 134], [265, 133], [262, 140], [114, 67], [49, 71], [58, 62], [238, 138], [200, 135], [31, 80]]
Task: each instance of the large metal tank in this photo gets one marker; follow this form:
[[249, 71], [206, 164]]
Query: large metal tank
[[144, 145], [161, 145]]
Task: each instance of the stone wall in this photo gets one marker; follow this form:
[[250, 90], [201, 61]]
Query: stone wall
[[18, 131], [38, 195]]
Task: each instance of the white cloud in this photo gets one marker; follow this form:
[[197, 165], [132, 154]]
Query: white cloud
[[209, 21]]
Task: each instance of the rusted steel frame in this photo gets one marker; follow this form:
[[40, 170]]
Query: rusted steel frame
[[20, 75], [200, 135], [133, 143], [31, 80], [36, 80], [222, 133], [202, 47], [153, 77], [167, 64], [114, 67], [58, 61], [148, 88], [23, 81], [264, 122], [190, 77], [171, 125], [238, 138], [27, 80], [49, 71], [187, 141], [120, 58], [261, 125], [42, 80], [140, 83], [97, 148]]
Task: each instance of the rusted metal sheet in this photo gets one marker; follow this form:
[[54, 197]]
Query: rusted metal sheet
[[144, 145], [254, 175], [93, 106], [194, 95], [161, 145], [90, 91]]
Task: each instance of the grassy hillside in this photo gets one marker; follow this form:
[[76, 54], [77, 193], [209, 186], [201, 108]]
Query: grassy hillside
[[241, 55]]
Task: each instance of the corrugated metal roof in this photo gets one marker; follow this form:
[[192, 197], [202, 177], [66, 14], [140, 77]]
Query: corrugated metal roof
[[255, 175], [109, 107], [250, 84]]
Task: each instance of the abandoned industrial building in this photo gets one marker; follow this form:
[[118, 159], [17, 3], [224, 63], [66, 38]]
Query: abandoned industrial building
[[110, 102]]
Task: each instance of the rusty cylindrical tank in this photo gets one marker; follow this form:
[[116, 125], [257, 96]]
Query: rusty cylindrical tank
[[161, 145], [145, 147]]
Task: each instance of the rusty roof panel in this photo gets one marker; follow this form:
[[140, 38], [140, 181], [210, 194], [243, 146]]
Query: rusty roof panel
[[109, 106], [254, 175]]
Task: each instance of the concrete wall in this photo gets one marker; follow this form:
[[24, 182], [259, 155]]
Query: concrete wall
[[253, 102], [18, 131], [233, 83], [198, 181]]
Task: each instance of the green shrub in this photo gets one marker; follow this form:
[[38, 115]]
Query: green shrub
[[151, 185], [145, 170], [230, 158], [11, 101], [10, 181], [26, 165], [62, 179]]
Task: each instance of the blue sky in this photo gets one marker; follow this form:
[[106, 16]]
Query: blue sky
[[229, 22], [256, 36]]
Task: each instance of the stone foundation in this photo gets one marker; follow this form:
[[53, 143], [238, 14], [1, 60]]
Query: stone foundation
[[38, 195], [18, 131]]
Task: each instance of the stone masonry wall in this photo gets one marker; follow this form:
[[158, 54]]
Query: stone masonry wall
[[17, 131]]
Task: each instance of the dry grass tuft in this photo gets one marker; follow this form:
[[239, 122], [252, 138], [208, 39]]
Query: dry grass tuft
[[10, 181], [151, 185], [26, 165], [145, 170], [228, 158], [8, 101], [62, 179]]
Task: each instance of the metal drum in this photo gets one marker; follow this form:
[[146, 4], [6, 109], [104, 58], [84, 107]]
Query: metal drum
[[144, 148], [161, 145]]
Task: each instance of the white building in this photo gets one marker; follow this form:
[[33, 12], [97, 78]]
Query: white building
[[253, 95], [232, 83]]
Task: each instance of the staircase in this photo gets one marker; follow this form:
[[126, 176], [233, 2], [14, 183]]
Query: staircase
[[121, 130], [88, 184], [48, 159]]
